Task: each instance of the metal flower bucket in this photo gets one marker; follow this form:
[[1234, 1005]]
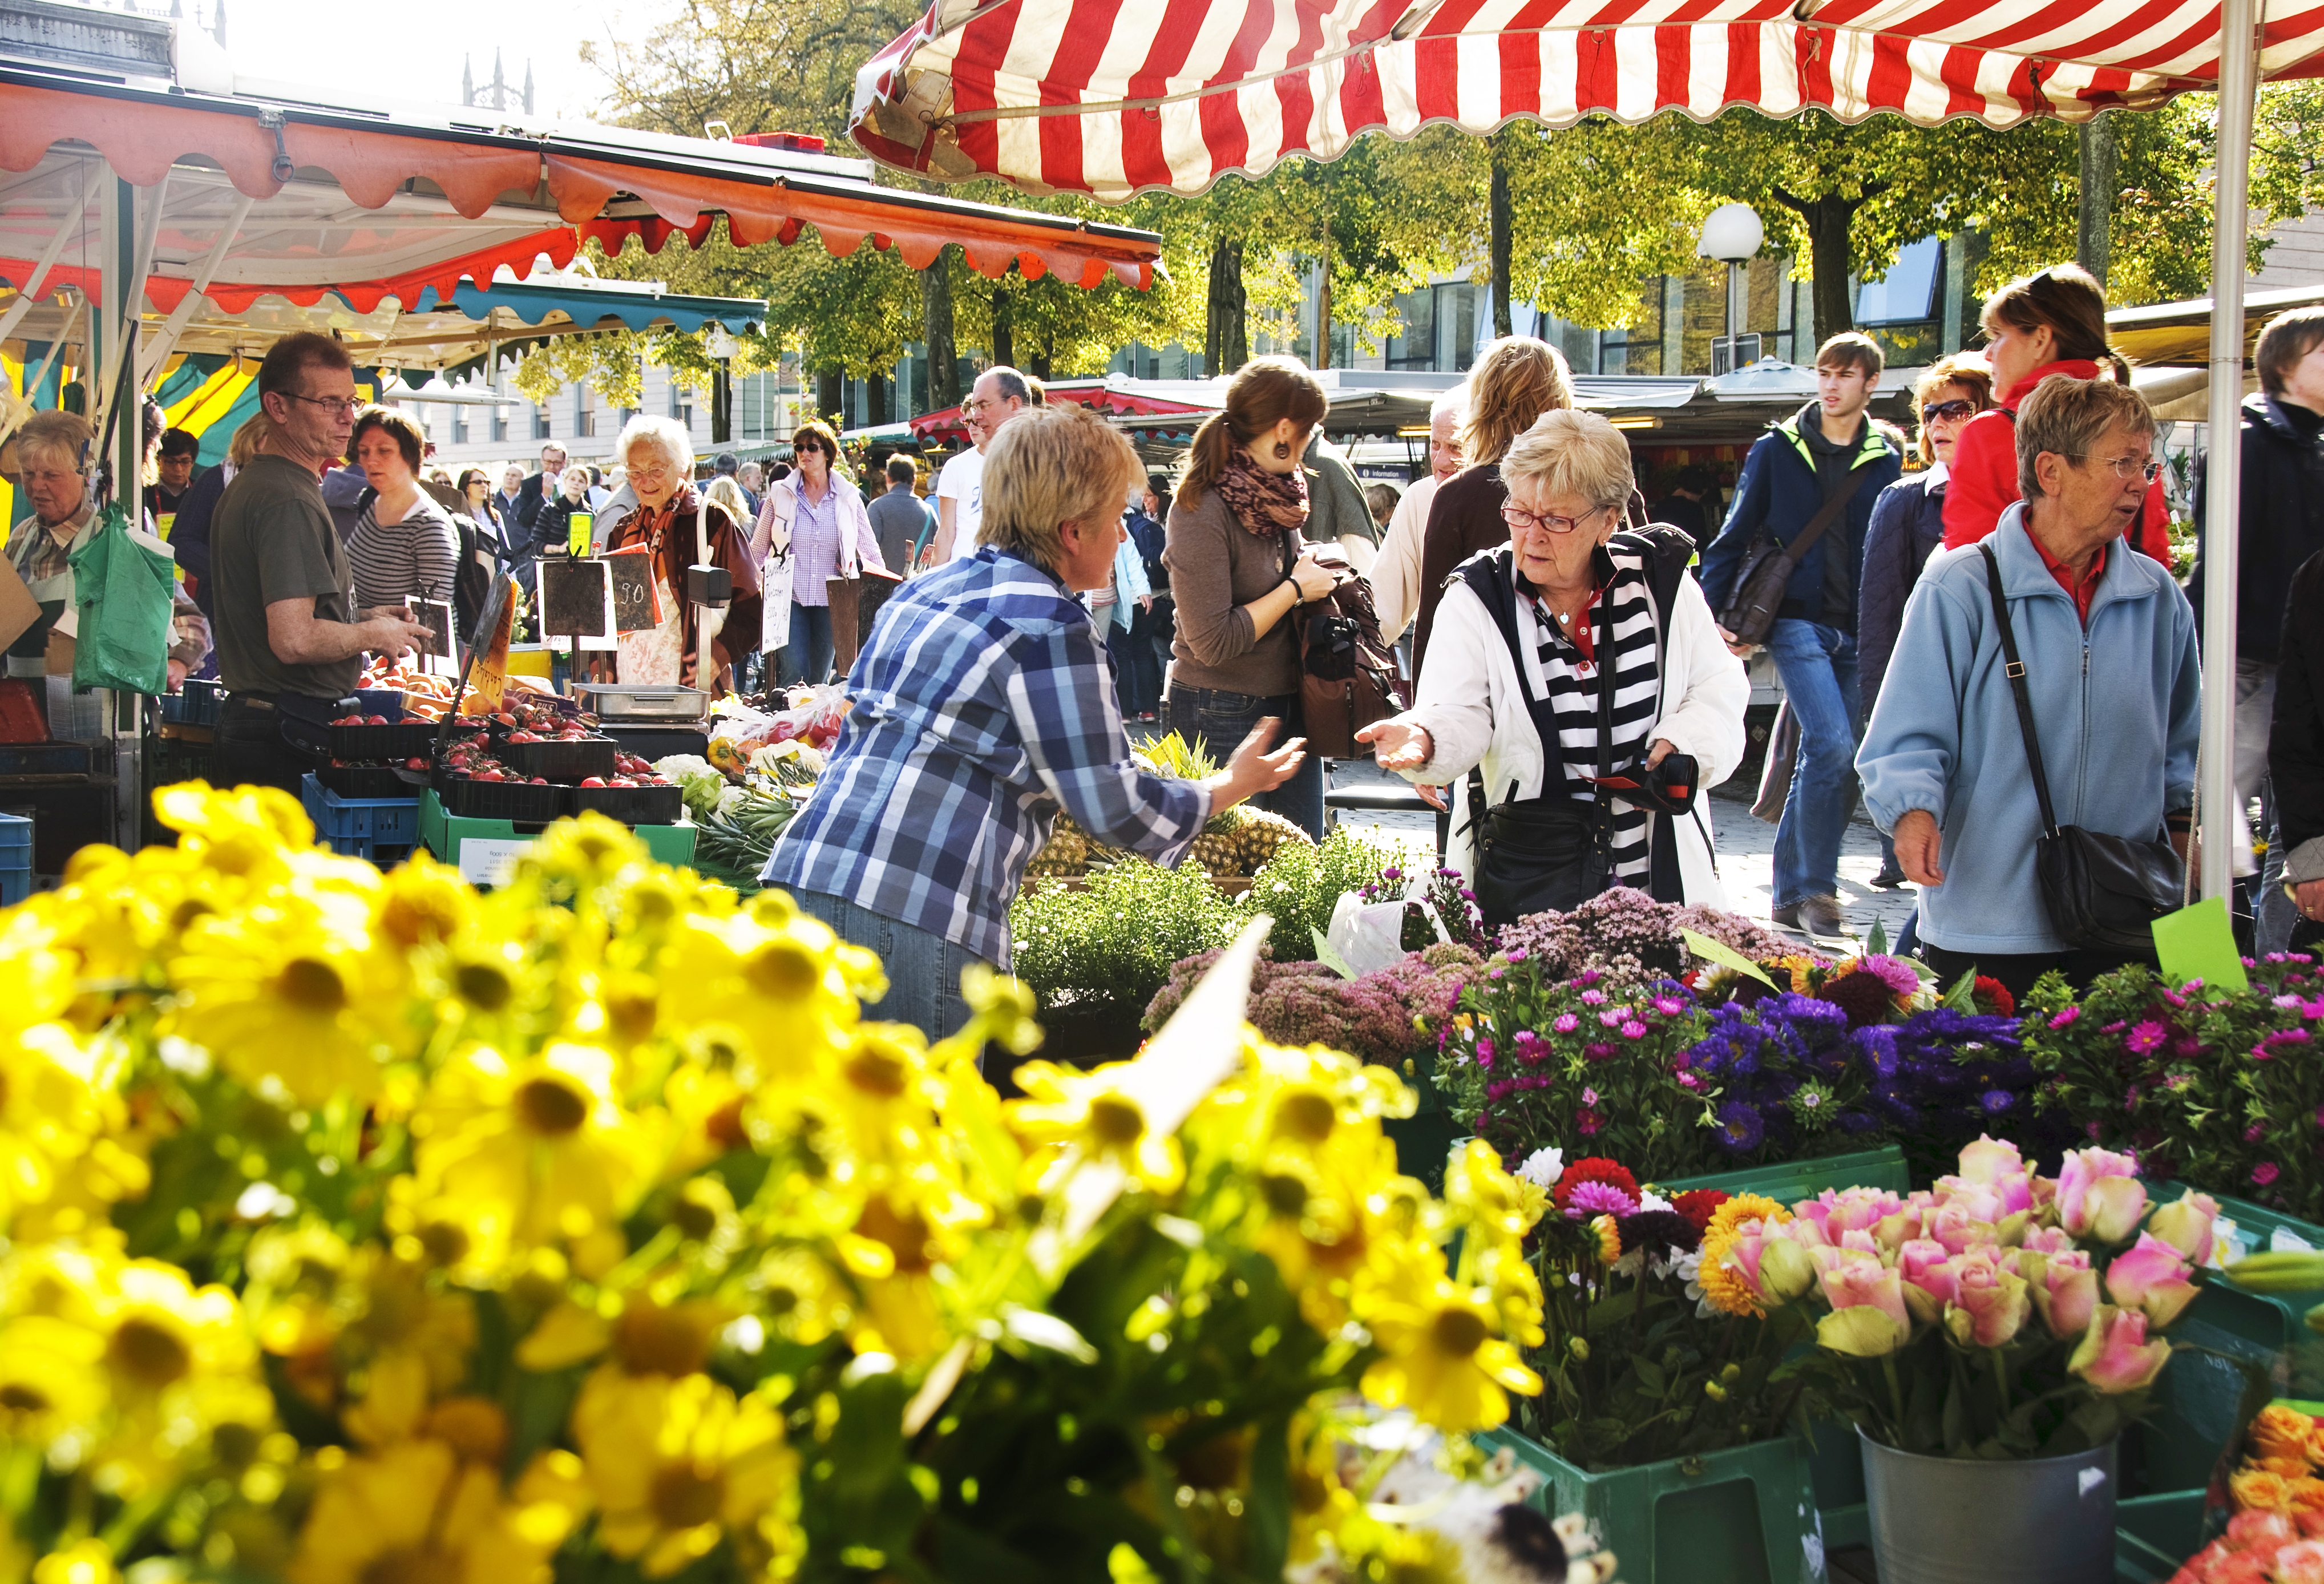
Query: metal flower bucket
[[1956, 1520]]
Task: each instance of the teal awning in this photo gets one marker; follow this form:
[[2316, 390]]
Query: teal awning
[[597, 306]]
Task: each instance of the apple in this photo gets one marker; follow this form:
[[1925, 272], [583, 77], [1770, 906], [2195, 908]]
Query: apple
[[592, 780], [415, 763]]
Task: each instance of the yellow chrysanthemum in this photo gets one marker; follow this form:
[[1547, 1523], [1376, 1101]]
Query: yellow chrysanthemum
[[1484, 1198], [788, 991], [1725, 1290], [894, 1253], [60, 1119], [1088, 1115], [679, 1468], [1442, 1358], [533, 1154], [418, 1512], [86, 1561]]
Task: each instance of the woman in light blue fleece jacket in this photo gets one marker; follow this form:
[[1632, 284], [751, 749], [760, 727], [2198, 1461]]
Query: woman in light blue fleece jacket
[[2108, 644]]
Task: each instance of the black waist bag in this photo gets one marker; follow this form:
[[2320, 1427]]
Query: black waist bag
[[1541, 854], [2103, 893]]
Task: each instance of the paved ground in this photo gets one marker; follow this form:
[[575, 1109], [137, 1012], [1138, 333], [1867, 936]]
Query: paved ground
[[1746, 848]]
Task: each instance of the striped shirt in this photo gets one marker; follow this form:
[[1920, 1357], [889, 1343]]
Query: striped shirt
[[396, 561], [1622, 637], [983, 704]]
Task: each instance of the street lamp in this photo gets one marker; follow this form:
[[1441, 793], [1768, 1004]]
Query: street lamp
[[1732, 233]]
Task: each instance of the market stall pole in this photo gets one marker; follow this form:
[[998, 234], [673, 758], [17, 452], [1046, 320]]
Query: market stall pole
[[1083, 95]]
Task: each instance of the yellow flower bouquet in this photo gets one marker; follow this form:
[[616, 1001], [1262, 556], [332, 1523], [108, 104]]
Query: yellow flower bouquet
[[361, 1229]]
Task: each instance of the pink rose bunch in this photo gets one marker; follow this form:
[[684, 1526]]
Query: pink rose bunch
[[2260, 1548]]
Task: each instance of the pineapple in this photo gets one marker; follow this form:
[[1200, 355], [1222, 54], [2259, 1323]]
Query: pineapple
[[1238, 842], [1066, 854]]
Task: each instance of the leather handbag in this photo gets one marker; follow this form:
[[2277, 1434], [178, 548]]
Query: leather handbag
[[1347, 670], [2103, 893], [1765, 579]]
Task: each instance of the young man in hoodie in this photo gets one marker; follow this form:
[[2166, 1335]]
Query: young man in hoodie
[[1828, 448]]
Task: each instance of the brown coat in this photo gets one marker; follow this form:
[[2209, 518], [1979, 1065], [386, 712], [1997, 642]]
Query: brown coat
[[1217, 567], [670, 533], [1464, 519]]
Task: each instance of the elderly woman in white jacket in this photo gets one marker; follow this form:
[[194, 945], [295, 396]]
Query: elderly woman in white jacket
[[1600, 635]]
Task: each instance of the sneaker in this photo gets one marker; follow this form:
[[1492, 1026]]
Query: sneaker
[[1817, 917], [1889, 879]]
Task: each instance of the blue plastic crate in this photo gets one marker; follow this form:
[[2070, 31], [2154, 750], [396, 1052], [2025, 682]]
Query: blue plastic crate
[[196, 704], [16, 858], [382, 829]]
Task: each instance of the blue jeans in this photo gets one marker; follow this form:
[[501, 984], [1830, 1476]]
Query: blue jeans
[[1818, 666], [1137, 674], [806, 657], [1222, 720], [924, 970]]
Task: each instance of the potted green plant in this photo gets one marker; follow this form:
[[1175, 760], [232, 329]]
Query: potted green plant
[[1990, 1338]]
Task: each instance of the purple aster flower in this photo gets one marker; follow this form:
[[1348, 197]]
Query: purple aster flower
[[1997, 1100], [1595, 1199], [1566, 1024], [1740, 1126], [2145, 1037]]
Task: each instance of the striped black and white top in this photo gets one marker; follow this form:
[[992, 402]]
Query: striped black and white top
[[396, 561], [1622, 636]]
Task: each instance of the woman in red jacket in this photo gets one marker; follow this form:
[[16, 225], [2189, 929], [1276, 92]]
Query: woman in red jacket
[[2053, 323]]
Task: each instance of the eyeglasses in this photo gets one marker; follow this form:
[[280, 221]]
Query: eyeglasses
[[2126, 469], [652, 475], [345, 406], [1933, 411], [1517, 517]]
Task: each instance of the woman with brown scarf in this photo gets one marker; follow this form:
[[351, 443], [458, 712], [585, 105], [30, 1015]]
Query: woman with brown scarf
[[660, 457], [1240, 571]]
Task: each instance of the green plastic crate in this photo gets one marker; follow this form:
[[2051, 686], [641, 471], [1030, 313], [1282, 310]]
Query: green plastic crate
[[1746, 1515], [449, 835], [1789, 1181], [1424, 1139], [2273, 1322]]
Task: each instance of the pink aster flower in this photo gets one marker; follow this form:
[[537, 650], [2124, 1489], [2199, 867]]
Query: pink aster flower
[[1589, 1097], [2144, 1038], [1593, 998], [1596, 1199], [1669, 1005], [1566, 1024], [2265, 1172], [1893, 971], [2066, 1017]]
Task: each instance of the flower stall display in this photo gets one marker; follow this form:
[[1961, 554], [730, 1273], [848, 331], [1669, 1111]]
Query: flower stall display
[[1629, 938], [1386, 1017], [1993, 1332], [2279, 1472], [362, 1228], [1638, 1365], [2220, 1088]]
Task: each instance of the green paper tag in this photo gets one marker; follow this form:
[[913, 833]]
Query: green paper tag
[[1328, 957], [2198, 943], [1726, 956]]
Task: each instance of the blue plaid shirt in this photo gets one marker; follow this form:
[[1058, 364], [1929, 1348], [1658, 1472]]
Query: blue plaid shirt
[[984, 703]]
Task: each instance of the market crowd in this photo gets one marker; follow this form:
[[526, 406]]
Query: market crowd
[[1978, 631]]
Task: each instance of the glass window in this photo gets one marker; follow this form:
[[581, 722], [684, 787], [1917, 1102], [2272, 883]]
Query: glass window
[[1908, 292]]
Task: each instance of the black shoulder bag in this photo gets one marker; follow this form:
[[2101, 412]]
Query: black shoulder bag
[[1552, 853], [2103, 893], [1765, 578]]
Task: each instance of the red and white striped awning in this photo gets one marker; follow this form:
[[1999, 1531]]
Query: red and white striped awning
[[1113, 98]]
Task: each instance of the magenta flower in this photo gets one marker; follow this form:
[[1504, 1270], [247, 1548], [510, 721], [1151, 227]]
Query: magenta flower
[[2066, 1017], [2266, 1173], [1595, 1199], [1893, 971], [2144, 1038], [1566, 1024], [1589, 1097], [1587, 1124], [1593, 998], [1669, 1005], [1612, 1018], [2252, 1134], [1634, 1029]]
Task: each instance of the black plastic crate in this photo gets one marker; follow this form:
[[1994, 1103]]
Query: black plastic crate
[[368, 781], [403, 739], [633, 805], [519, 802], [557, 762]]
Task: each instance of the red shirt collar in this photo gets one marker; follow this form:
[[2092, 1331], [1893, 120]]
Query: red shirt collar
[[2081, 593]]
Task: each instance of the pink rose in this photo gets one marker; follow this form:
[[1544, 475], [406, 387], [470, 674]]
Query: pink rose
[[2065, 1290], [2187, 1225], [1931, 1283], [1774, 1267], [1990, 1160], [2047, 1240], [2300, 1563], [1854, 1279], [2099, 1195], [1993, 1304], [1953, 1226], [1832, 1215], [2115, 1355], [2150, 1277]]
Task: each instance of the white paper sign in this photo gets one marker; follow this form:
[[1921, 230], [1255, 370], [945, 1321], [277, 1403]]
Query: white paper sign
[[491, 860]]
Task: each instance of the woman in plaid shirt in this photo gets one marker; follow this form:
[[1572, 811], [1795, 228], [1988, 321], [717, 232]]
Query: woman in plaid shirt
[[983, 704]]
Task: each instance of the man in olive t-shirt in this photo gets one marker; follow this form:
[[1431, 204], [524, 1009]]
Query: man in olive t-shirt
[[289, 643]]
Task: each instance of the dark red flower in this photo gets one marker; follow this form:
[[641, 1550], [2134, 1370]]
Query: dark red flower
[[1863, 995], [1594, 1169], [1993, 997], [1699, 1204]]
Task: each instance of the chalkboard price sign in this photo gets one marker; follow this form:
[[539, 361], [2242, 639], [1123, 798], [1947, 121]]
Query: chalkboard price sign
[[637, 603], [574, 598]]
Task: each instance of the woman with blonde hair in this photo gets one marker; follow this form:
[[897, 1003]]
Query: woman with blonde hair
[[1241, 569], [1574, 656], [1517, 379], [983, 707]]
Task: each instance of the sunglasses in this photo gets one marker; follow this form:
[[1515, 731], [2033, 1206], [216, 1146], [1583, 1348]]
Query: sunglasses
[[1955, 408]]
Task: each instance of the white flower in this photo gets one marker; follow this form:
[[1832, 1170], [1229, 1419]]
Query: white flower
[[1626, 1269], [1650, 1199], [1543, 1167]]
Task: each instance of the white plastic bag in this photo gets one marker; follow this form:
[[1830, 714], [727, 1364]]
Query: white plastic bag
[[775, 603], [1370, 935]]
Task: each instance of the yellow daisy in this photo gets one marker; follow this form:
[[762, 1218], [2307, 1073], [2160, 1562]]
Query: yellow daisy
[[418, 1512], [1442, 1358], [678, 1468]]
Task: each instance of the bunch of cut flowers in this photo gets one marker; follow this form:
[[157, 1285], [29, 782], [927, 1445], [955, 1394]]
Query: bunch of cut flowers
[[1629, 939], [2278, 1473], [1535, 1060], [1386, 1017], [1447, 891], [1636, 1365], [2260, 1548], [2000, 1315], [2219, 1087], [358, 1227]]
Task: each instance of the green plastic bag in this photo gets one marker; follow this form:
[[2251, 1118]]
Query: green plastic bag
[[124, 591]]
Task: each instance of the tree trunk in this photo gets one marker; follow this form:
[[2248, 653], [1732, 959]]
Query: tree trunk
[[935, 318], [1226, 331], [1831, 255], [2094, 233], [830, 394], [722, 405], [880, 385], [1502, 224], [1004, 338], [1324, 315], [1044, 359]]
